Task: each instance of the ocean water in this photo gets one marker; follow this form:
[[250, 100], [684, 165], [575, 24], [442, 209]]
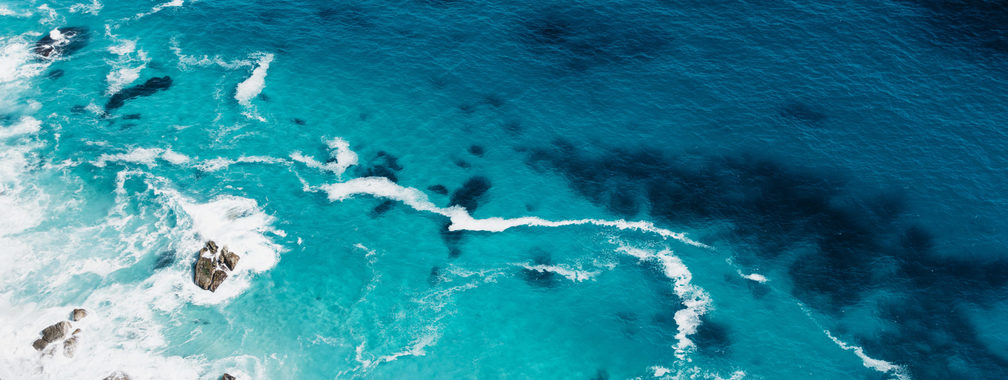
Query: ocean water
[[468, 189]]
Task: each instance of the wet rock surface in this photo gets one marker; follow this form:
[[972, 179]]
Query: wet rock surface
[[213, 266]]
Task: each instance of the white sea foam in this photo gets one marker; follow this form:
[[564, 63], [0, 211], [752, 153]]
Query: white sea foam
[[159, 8], [144, 156], [340, 157], [754, 277], [251, 87], [869, 362], [219, 163], [461, 220], [575, 275], [186, 62], [27, 125], [93, 8], [694, 298]]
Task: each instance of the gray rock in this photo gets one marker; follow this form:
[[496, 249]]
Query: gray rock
[[227, 376], [218, 278], [51, 334], [212, 246], [78, 314], [230, 259], [204, 272], [56, 331], [70, 346]]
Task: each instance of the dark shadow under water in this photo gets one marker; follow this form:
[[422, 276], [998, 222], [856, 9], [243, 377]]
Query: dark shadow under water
[[782, 209]]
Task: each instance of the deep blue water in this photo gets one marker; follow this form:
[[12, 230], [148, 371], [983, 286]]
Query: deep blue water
[[467, 189]]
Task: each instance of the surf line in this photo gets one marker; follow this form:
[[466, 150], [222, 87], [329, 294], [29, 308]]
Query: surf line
[[382, 187]]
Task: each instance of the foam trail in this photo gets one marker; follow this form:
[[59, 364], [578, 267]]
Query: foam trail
[[696, 300], [126, 69], [754, 277], [92, 8], [145, 156], [251, 87], [461, 220], [341, 157], [219, 163], [27, 125], [187, 61], [159, 8], [574, 275], [869, 362]]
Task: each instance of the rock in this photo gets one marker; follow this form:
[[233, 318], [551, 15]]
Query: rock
[[78, 314], [212, 246], [117, 375], [77, 331], [51, 334], [56, 331], [62, 41], [230, 259], [70, 346], [204, 272], [148, 88], [227, 376], [218, 278]]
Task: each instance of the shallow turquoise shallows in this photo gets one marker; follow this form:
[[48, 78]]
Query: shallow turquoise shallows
[[467, 189]]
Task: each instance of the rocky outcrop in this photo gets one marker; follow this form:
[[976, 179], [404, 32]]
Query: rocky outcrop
[[227, 376], [148, 88], [212, 267], [78, 314], [51, 334], [62, 41], [60, 330]]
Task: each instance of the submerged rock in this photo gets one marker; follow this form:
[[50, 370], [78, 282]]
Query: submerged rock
[[148, 88], [78, 314], [212, 267], [62, 41]]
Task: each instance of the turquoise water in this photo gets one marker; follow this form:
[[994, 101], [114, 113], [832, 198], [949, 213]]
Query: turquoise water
[[465, 189]]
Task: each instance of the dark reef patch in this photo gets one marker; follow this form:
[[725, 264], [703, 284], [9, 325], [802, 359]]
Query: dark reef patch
[[476, 150], [802, 112], [382, 165], [132, 116], [471, 193], [382, 208], [463, 164], [148, 88], [712, 339], [299, 121], [55, 74], [581, 37], [435, 277], [540, 278], [71, 39], [438, 189], [838, 242], [164, 259], [971, 23], [78, 109]]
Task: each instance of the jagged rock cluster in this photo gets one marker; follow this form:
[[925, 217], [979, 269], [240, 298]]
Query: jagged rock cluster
[[212, 267], [58, 332]]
